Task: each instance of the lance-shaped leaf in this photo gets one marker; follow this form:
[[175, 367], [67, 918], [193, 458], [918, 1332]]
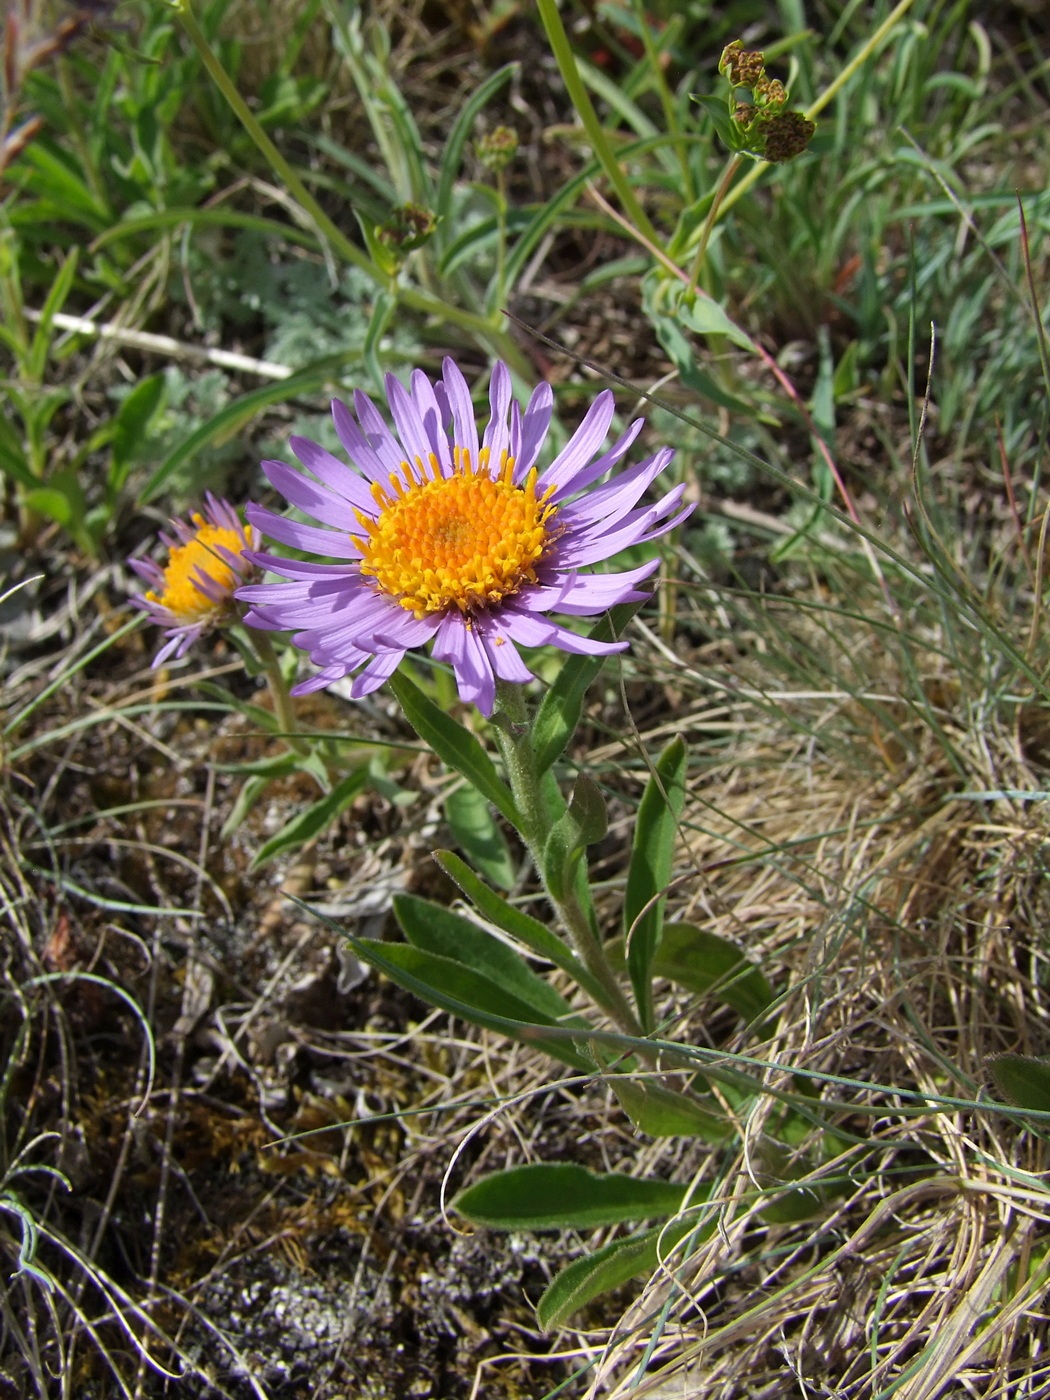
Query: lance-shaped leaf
[[588, 1278], [663, 1112], [521, 926], [450, 935], [712, 966], [452, 987], [454, 745], [1023, 1080], [562, 705], [564, 1196], [584, 822], [471, 823], [649, 873]]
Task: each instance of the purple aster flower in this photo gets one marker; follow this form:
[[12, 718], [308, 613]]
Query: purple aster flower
[[194, 591], [441, 538]]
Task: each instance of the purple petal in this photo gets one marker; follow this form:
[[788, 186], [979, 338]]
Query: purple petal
[[336, 475], [583, 478], [534, 428], [583, 444], [529, 631], [407, 421], [378, 670], [372, 462], [434, 411], [502, 653], [616, 496], [332, 543], [497, 437], [464, 428], [298, 490]]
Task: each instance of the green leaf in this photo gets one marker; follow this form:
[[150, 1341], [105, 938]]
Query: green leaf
[[663, 1112], [132, 424], [471, 823], [452, 156], [1022, 1080], [451, 936], [527, 930], [36, 361], [454, 745], [712, 966], [588, 1278], [307, 824], [584, 821], [463, 992], [707, 317], [564, 1196], [561, 707], [649, 873]]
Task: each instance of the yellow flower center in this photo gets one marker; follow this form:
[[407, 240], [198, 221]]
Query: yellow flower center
[[467, 540], [181, 594]]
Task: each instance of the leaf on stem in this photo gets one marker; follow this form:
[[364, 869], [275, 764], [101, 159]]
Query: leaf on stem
[[650, 870], [454, 745]]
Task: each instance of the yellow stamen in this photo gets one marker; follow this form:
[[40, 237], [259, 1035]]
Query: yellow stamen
[[181, 595], [468, 540]]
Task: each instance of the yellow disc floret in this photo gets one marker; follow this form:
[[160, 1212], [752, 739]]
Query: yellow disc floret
[[182, 596], [467, 540]]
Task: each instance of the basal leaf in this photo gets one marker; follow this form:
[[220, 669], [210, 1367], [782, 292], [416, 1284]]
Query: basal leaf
[[588, 1278], [564, 1196], [712, 966]]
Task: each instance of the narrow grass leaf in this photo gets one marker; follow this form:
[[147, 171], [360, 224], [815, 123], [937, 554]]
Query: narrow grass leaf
[[564, 1196], [454, 745], [452, 156], [230, 419], [649, 873], [452, 936], [309, 823]]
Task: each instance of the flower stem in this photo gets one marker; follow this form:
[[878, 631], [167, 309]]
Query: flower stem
[[514, 736], [282, 700]]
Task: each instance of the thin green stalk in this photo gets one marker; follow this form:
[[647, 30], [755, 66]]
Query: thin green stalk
[[671, 121], [282, 700], [514, 736], [712, 218], [578, 95]]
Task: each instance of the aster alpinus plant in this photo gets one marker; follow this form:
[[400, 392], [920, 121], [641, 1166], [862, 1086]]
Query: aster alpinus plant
[[436, 534]]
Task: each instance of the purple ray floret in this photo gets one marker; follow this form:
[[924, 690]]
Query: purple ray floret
[[434, 534]]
